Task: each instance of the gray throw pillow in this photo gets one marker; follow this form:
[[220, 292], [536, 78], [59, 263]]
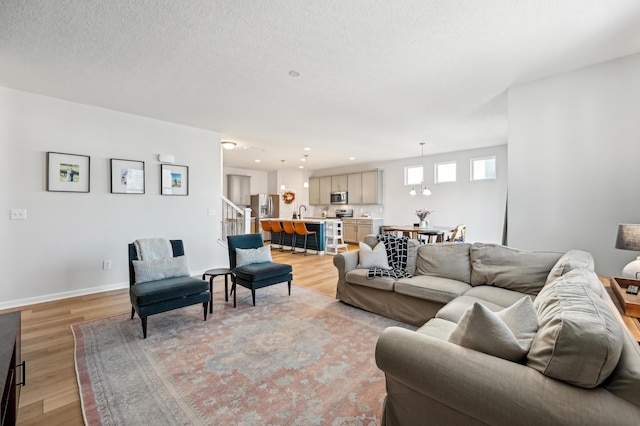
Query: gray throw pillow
[[506, 334], [159, 269], [373, 258], [256, 255]]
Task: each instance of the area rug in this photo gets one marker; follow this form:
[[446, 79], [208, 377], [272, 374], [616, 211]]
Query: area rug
[[304, 359]]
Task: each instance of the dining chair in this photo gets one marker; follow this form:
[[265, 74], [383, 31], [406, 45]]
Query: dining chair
[[458, 235], [301, 229]]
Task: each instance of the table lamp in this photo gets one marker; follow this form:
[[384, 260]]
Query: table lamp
[[629, 239]]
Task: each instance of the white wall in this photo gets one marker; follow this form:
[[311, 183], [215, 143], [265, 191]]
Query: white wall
[[480, 205], [58, 251], [574, 150]]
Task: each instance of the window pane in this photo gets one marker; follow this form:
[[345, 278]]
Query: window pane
[[483, 168], [413, 175], [445, 172]]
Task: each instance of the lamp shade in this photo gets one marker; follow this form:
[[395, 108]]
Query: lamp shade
[[628, 237]]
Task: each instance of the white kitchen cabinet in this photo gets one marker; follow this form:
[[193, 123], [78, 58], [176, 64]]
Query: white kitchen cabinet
[[339, 183], [372, 187], [325, 190], [355, 229], [350, 230], [354, 188], [314, 191]]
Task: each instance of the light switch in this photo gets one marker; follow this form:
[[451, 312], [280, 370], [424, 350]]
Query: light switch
[[211, 212], [18, 214]]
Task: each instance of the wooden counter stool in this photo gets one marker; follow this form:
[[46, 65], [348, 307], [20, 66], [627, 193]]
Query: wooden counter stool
[[287, 225], [214, 273], [276, 226], [301, 229]]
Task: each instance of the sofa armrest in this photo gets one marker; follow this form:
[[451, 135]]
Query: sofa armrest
[[344, 262], [490, 389]]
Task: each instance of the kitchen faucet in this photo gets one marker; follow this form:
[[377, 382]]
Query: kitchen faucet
[[299, 212]]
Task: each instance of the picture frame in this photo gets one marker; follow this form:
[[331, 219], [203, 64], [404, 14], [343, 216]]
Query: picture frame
[[174, 179], [68, 172], [127, 176]]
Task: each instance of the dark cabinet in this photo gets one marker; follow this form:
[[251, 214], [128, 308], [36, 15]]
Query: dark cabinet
[[12, 372]]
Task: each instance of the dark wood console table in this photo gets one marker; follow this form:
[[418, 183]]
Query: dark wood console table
[[11, 377]]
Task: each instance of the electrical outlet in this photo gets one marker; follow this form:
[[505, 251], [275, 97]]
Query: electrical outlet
[[18, 214], [106, 264]]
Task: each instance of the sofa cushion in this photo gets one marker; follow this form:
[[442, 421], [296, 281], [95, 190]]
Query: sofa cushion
[[506, 267], [447, 260], [506, 334], [582, 277], [573, 259], [579, 340], [253, 255], [152, 292], [359, 277], [159, 269], [454, 310], [262, 271], [373, 257], [499, 296], [437, 289], [438, 328]]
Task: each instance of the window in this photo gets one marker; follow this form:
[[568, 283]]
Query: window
[[445, 172], [483, 168], [413, 175]]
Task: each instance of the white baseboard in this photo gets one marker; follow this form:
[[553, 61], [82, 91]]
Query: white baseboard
[[65, 295]]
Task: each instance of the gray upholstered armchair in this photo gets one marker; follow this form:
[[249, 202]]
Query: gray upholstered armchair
[[161, 292], [255, 275]]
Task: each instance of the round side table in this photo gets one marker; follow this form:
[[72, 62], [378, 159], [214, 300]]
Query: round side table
[[214, 273]]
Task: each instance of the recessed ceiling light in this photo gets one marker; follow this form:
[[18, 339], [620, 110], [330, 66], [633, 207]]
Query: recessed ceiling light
[[303, 159], [257, 161], [352, 158], [307, 149], [294, 73], [301, 167]]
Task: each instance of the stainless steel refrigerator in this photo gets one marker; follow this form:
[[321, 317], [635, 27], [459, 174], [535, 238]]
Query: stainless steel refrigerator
[[264, 206]]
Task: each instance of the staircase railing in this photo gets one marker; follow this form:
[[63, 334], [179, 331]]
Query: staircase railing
[[235, 220]]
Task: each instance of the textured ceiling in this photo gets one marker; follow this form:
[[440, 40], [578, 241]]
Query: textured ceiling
[[376, 77]]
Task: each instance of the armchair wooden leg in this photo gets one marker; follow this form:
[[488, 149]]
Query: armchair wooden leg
[[289, 284], [133, 312], [144, 327], [205, 304], [253, 296]]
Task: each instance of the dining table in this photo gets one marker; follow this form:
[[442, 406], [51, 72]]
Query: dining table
[[415, 232]]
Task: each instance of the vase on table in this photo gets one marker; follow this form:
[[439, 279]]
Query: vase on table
[[425, 224]]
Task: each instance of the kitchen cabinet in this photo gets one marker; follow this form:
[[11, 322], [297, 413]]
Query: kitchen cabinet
[[314, 191], [239, 189], [355, 229], [372, 187], [325, 190], [339, 183], [350, 230], [354, 188]]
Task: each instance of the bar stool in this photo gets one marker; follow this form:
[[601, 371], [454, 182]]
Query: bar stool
[[277, 227], [287, 225], [301, 229], [266, 226]]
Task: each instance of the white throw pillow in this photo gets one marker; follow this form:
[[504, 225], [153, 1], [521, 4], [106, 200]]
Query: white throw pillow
[[506, 334], [249, 256], [373, 258], [159, 269]]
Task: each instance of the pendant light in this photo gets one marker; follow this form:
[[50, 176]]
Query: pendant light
[[423, 189], [282, 187], [305, 184]]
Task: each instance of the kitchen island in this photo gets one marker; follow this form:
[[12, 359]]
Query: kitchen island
[[313, 224]]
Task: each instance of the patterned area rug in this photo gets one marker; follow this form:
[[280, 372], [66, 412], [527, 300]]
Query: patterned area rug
[[306, 359]]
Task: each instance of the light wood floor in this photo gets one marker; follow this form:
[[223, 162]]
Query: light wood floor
[[51, 394]]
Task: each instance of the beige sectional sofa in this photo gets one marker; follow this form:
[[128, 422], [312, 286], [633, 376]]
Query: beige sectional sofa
[[581, 366]]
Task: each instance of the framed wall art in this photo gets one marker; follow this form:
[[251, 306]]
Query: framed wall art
[[68, 172], [127, 176], [174, 179]]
